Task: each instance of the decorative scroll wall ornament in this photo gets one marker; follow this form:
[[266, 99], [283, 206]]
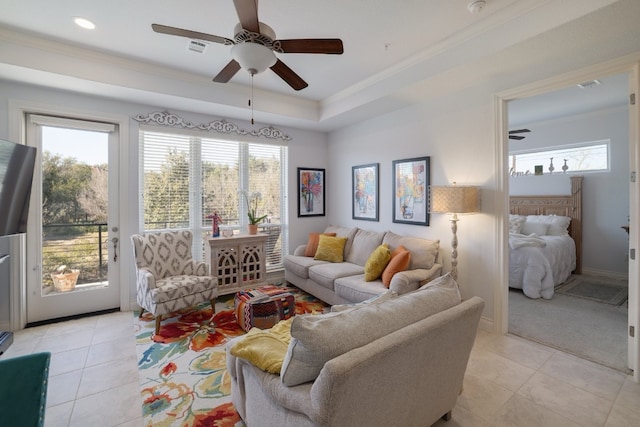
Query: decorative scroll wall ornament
[[164, 118]]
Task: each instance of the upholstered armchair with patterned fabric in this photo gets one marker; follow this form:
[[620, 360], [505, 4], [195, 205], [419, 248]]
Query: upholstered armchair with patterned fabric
[[167, 277]]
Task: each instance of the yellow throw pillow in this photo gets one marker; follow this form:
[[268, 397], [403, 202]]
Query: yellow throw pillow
[[312, 244], [265, 349], [400, 260], [376, 263], [331, 248]]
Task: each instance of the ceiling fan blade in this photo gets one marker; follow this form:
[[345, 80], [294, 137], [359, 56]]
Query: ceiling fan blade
[[227, 72], [330, 46], [173, 31], [248, 14], [518, 131], [516, 137], [288, 75]]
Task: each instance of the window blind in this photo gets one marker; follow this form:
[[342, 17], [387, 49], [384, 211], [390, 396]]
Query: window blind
[[186, 178]]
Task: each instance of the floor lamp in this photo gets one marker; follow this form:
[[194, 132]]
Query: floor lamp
[[454, 200]]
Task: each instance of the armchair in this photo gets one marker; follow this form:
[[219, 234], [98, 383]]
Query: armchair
[[167, 277]]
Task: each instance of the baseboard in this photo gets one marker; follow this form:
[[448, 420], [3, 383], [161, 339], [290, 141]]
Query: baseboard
[[486, 324], [276, 276], [604, 273]]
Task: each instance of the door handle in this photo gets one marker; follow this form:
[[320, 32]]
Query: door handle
[[115, 249]]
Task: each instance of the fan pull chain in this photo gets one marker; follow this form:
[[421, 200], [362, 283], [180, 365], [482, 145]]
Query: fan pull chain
[[250, 100]]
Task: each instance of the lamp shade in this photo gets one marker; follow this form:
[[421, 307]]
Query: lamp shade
[[454, 199], [253, 57]]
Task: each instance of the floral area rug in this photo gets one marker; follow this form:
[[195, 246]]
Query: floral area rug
[[183, 377]]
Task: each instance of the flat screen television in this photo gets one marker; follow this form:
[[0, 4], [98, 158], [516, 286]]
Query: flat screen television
[[17, 163]]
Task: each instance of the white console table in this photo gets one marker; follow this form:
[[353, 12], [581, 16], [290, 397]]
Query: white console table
[[238, 261]]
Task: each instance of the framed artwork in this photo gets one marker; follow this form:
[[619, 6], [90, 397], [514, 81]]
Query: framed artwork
[[364, 184], [410, 187], [310, 192]]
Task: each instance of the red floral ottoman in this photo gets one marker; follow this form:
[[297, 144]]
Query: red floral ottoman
[[263, 307]]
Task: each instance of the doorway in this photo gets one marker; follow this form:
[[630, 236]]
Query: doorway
[[73, 239], [632, 73]]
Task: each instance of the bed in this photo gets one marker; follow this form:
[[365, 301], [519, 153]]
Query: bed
[[545, 240]]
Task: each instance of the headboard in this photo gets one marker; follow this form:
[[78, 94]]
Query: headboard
[[570, 205]]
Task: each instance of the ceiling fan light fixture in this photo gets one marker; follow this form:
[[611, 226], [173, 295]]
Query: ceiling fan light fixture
[[253, 57]]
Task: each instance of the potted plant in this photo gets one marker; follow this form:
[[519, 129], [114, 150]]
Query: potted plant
[[253, 201], [65, 278]]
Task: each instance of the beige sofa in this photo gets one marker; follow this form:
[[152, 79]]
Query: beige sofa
[[343, 282], [397, 362]]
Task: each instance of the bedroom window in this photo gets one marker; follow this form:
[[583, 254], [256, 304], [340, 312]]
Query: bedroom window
[[584, 157], [185, 177]]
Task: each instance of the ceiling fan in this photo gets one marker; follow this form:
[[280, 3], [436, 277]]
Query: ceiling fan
[[254, 44], [513, 134]]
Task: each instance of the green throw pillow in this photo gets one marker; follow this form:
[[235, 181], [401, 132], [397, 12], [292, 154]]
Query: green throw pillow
[[330, 248], [376, 263]]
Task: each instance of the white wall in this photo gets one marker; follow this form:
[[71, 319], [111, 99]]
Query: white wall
[[306, 149], [461, 148], [605, 194]]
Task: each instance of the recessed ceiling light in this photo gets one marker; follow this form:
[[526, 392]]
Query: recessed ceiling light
[[476, 6], [84, 23]]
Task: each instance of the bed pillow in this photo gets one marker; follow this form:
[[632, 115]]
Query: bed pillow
[[558, 224], [330, 248], [531, 227], [516, 222], [312, 244]]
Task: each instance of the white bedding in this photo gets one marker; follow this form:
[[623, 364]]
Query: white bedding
[[538, 263]]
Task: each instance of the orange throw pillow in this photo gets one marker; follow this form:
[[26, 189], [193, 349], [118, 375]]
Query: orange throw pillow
[[312, 244], [400, 259]]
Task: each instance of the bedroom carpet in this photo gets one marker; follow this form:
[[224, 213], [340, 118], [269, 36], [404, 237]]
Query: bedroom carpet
[[605, 290], [580, 326]]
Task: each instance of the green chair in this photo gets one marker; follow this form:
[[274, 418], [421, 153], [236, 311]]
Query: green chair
[[23, 390]]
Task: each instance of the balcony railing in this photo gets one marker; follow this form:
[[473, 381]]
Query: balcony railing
[[82, 246]]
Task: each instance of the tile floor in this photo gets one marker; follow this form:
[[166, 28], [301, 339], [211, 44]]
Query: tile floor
[[510, 382]]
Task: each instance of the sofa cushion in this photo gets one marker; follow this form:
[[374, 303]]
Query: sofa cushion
[[400, 259], [356, 289], [330, 248], [316, 339], [299, 265], [325, 274], [424, 252], [377, 262], [373, 300], [364, 243], [312, 243]]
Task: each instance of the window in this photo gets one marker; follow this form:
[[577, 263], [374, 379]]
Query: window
[[186, 177], [585, 157]]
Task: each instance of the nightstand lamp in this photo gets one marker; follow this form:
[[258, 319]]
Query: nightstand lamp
[[454, 200]]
